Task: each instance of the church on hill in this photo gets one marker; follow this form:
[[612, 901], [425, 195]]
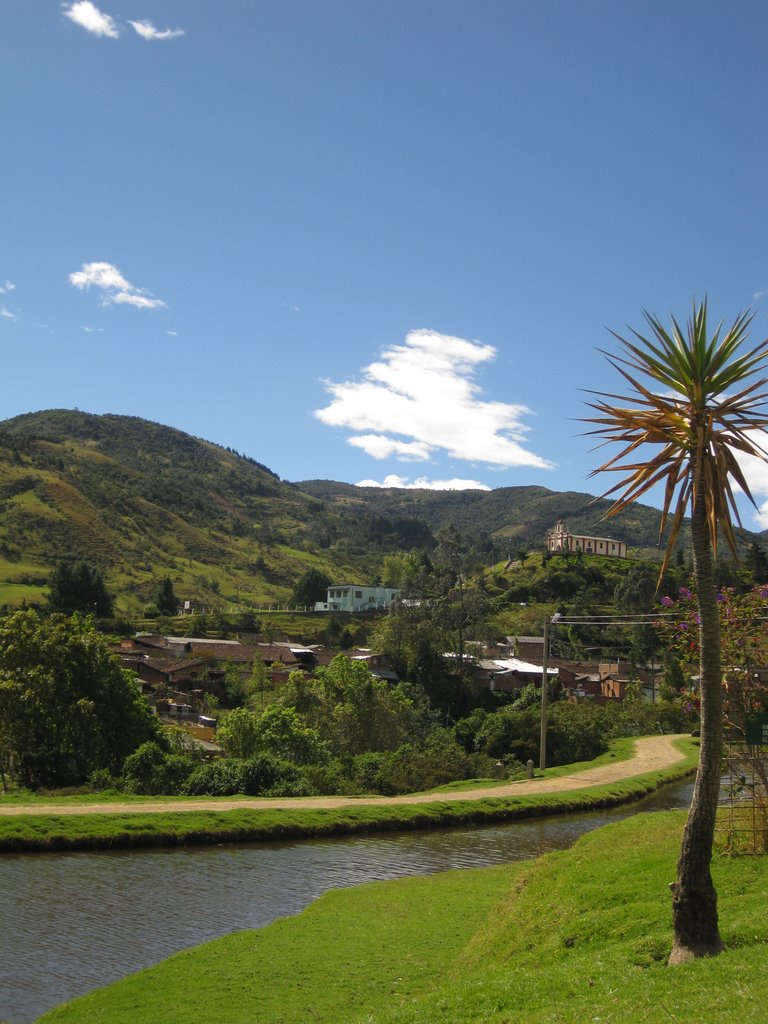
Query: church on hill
[[561, 540]]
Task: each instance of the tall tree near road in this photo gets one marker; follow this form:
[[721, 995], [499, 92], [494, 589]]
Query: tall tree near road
[[697, 399], [67, 708]]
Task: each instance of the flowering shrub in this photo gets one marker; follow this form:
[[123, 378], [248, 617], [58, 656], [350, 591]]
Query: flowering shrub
[[744, 647]]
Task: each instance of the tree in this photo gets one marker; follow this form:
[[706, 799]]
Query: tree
[[696, 398], [351, 710], [79, 587], [282, 733], [636, 591], [165, 599], [257, 685], [238, 734], [399, 568], [313, 586], [440, 610], [756, 561], [67, 708]]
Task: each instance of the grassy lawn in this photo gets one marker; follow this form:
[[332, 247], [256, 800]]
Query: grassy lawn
[[573, 937]]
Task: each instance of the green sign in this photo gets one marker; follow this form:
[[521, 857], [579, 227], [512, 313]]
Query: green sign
[[756, 730]]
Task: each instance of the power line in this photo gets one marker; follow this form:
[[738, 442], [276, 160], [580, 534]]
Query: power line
[[614, 620]]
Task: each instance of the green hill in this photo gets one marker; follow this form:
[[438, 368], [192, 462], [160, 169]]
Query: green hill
[[141, 500]]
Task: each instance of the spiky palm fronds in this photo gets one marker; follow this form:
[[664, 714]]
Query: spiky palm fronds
[[710, 402]]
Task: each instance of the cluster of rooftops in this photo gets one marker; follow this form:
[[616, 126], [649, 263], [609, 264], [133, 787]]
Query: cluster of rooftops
[[181, 666]]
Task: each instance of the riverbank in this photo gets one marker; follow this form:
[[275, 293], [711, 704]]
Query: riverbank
[[469, 946], [79, 826]]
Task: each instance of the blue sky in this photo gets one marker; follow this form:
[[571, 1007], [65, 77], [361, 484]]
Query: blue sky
[[372, 241]]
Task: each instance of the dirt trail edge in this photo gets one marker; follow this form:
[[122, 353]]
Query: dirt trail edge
[[651, 754]]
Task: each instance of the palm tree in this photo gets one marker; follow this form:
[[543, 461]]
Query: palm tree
[[699, 407]]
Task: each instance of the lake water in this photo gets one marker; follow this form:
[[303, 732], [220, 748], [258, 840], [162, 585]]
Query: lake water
[[71, 922]]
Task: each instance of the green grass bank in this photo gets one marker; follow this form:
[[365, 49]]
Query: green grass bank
[[47, 832], [573, 937]]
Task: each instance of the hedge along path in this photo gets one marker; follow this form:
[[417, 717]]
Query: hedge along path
[[651, 754]]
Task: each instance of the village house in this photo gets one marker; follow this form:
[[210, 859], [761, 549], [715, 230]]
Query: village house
[[351, 597], [175, 666], [518, 662], [509, 674], [617, 676], [529, 648]]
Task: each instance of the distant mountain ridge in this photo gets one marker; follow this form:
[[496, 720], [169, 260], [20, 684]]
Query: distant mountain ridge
[[518, 515], [141, 500]]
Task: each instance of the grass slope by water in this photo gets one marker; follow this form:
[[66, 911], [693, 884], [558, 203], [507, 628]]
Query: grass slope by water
[[573, 937], [45, 832]]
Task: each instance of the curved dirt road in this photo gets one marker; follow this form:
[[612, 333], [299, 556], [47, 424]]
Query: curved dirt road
[[651, 754]]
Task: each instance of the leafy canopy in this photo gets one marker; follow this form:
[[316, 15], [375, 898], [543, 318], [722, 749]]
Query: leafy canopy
[[67, 708], [700, 405]]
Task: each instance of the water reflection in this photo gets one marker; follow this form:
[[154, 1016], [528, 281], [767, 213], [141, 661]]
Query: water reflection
[[72, 922]]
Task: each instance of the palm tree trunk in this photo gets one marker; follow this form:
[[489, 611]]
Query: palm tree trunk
[[694, 899]]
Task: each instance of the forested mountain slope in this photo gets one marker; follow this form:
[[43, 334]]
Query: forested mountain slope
[[141, 500], [509, 515]]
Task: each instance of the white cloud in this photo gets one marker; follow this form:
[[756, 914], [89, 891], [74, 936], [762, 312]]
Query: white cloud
[[756, 474], [148, 31], [423, 484], [93, 330], [423, 391], [135, 298], [380, 447], [114, 287], [172, 334], [9, 286], [6, 314], [88, 16]]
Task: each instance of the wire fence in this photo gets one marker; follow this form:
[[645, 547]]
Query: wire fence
[[743, 810]]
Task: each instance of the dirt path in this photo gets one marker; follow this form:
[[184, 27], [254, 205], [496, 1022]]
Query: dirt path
[[651, 754]]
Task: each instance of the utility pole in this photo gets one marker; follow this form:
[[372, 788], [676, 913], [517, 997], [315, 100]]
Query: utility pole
[[544, 699], [545, 692]]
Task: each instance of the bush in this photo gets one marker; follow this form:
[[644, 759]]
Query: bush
[[327, 779], [412, 768], [366, 771], [576, 732], [639, 719], [510, 733], [151, 771], [261, 775], [215, 778], [102, 779]]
